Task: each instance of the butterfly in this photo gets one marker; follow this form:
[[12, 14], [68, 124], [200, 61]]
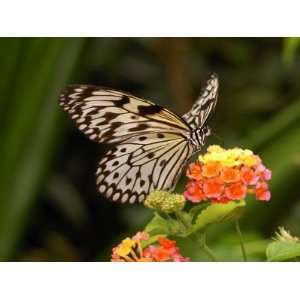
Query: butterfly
[[150, 144]]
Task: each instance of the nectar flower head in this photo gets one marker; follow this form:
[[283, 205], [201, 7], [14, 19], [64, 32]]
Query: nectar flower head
[[165, 201], [131, 250], [222, 175]]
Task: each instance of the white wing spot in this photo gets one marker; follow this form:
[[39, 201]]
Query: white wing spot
[[100, 178], [116, 196], [124, 198], [109, 192], [132, 199], [82, 126], [102, 188], [80, 120]]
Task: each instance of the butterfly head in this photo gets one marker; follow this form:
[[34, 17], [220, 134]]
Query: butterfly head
[[204, 133]]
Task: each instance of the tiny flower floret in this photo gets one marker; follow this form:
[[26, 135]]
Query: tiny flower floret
[[222, 175]]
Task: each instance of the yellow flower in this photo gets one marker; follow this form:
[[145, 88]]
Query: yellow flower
[[125, 247], [215, 149], [250, 160], [229, 158]]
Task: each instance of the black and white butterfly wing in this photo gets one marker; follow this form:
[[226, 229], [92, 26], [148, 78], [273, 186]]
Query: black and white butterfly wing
[[141, 164], [204, 105], [150, 142], [109, 116]]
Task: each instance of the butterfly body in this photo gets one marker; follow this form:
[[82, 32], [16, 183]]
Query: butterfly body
[[198, 137], [150, 144]]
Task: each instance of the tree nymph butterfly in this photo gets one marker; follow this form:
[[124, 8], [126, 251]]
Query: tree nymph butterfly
[[150, 144]]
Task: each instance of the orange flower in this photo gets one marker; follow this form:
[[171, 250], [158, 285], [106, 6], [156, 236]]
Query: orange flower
[[236, 191], [213, 187], [194, 171], [161, 254], [166, 243], [194, 191], [248, 176], [262, 192], [211, 169], [230, 174]]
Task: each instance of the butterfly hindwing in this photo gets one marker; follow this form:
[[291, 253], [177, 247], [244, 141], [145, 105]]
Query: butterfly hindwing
[[204, 105], [139, 165], [109, 116]]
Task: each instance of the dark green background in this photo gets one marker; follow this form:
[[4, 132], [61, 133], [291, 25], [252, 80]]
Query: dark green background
[[49, 207]]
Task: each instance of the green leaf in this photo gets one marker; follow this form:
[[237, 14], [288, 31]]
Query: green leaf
[[281, 251], [196, 209], [218, 213], [152, 240], [290, 47], [162, 226], [158, 225], [30, 129]]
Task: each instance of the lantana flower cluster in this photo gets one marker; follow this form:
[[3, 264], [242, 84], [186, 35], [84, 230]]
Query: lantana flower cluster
[[227, 175], [131, 250]]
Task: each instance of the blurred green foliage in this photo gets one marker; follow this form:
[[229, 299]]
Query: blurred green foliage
[[49, 207]]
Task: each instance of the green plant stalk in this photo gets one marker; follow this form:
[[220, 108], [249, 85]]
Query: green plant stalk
[[202, 243], [238, 230], [180, 218]]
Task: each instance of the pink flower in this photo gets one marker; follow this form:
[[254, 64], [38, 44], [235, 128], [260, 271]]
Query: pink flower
[[263, 172], [141, 236], [262, 191], [248, 176]]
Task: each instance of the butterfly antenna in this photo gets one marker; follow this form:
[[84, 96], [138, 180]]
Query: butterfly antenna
[[218, 137]]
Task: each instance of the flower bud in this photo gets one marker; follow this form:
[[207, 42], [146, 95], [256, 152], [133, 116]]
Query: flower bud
[[165, 201]]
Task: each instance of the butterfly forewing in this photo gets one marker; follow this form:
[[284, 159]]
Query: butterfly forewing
[[109, 116], [204, 105]]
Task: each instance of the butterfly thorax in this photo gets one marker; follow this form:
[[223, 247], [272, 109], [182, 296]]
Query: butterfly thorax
[[198, 137]]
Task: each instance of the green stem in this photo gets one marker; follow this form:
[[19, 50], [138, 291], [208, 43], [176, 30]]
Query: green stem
[[238, 230], [182, 219], [205, 248]]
